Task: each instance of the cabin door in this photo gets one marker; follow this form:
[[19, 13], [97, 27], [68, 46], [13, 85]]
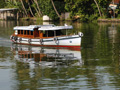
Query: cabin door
[[36, 33]]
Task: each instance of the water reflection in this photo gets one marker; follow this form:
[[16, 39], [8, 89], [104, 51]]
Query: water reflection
[[45, 68], [47, 57]]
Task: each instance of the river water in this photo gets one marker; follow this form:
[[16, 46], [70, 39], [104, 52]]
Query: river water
[[95, 67]]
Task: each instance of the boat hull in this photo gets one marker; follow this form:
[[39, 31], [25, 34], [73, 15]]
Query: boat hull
[[66, 41]]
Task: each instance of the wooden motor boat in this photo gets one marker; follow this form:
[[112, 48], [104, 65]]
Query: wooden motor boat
[[46, 35]]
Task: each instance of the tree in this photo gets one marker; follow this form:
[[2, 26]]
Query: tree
[[98, 8], [87, 9], [2, 3], [83, 9], [38, 7], [47, 8], [34, 7], [23, 7], [55, 9], [30, 9]]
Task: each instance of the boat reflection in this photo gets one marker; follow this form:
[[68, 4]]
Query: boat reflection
[[46, 57]]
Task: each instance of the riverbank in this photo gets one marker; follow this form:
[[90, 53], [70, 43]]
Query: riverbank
[[99, 20], [109, 20], [31, 18]]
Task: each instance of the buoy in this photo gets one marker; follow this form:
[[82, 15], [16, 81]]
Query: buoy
[[15, 38], [20, 39], [56, 40], [41, 40], [80, 34], [29, 41]]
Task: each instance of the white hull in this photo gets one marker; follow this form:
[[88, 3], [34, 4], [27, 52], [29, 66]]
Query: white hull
[[65, 41]]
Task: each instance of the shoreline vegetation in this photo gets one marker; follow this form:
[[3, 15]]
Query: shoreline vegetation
[[109, 20], [116, 20], [64, 10]]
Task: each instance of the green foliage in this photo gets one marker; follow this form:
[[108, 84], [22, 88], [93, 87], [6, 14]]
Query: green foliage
[[78, 7], [14, 4], [47, 9], [86, 10], [118, 16], [2, 3]]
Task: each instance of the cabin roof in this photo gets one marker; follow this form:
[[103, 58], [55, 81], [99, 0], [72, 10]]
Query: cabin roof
[[55, 28], [31, 27], [42, 27]]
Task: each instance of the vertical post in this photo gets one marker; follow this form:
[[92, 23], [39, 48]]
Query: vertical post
[[10, 14], [17, 15], [114, 9], [23, 32], [6, 15], [0, 14], [14, 14], [47, 33], [39, 33], [54, 33], [3, 15], [66, 31], [33, 33]]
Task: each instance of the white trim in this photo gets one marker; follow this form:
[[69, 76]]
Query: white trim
[[55, 28], [42, 27], [23, 28]]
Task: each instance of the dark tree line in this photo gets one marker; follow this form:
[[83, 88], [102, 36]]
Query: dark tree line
[[79, 9]]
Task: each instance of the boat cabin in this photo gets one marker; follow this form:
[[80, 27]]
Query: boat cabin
[[40, 31]]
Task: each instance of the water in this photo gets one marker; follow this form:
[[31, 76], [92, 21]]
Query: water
[[95, 67]]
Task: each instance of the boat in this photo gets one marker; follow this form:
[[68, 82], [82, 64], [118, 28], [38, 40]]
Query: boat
[[46, 56], [46, 35]]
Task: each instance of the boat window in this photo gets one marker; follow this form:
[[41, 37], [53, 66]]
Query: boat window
[[25, 55], [28, 32], [32, 56], [25, 32], [22, 56], [18, 31], [50, 33], [21, 31], [64, 32], [44, 33], [59, 32], [31, 32], [28, 55]]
